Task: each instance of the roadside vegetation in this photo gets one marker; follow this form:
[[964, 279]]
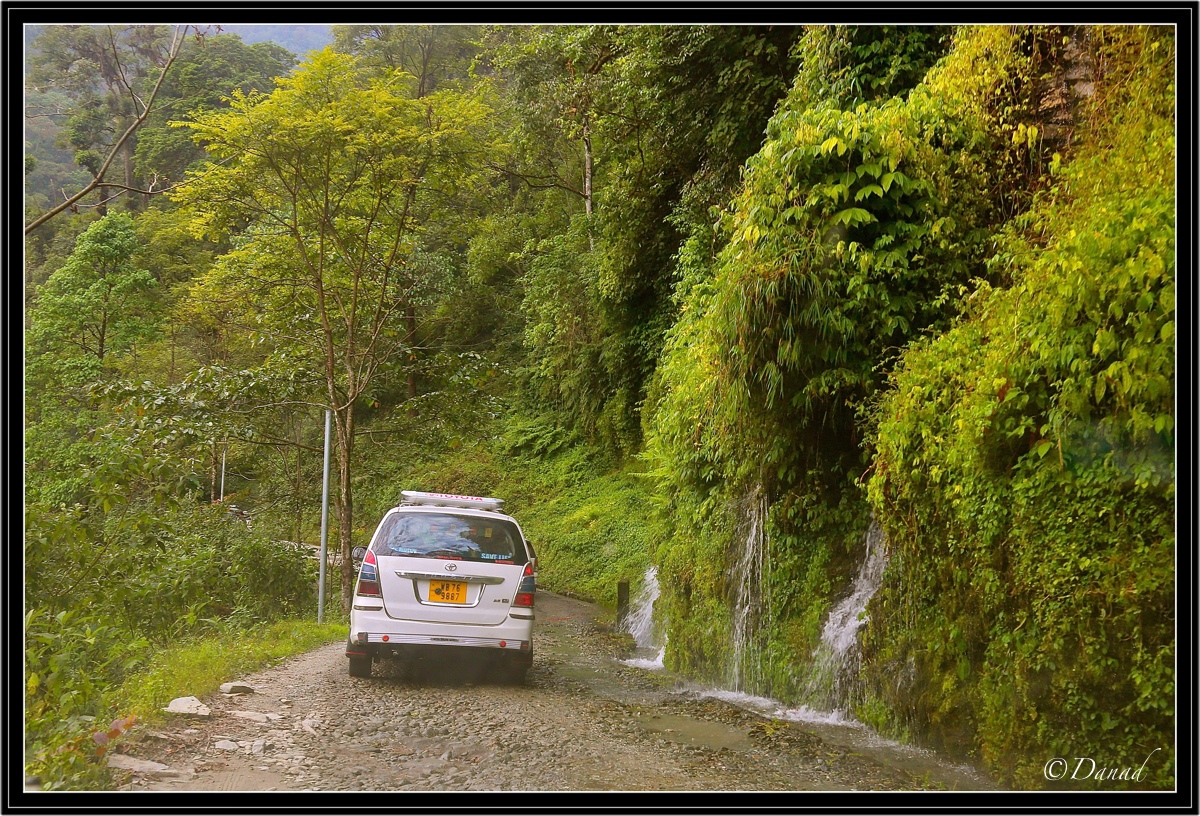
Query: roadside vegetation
[[661, 289]]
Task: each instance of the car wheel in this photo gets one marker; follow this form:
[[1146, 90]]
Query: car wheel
[[514, 673], [360, 666]]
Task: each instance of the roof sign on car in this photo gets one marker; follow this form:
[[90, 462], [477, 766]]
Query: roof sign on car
[[450, 500]]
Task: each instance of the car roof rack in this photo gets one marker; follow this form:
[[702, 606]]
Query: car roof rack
[[418, 498]]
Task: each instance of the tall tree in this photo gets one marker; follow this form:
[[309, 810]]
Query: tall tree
[[334, 173], [113, 75], [97, 301], [644, 128], [557, 78], [96, 306], [202, 79], [434, 55]]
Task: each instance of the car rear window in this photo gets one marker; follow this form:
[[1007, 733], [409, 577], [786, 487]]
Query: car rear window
[[444, 535]]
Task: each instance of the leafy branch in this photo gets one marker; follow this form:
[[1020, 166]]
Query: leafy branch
[[98, 181]]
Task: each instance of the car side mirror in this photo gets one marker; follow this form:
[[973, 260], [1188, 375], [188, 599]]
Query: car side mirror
[[358, 554]]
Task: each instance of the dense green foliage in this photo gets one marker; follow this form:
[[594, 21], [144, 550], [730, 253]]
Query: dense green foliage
[[709, 298], [1024, 470], [109, 587], [93, 309], [851, 236], [204, 78], [858, 237], [639, 126]]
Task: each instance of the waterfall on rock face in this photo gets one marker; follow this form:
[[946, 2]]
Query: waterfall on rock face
[[750, 604], [646, 631], [834, 674]]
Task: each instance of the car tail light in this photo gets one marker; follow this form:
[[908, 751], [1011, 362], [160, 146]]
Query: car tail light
[[368, 578], [524, 596]]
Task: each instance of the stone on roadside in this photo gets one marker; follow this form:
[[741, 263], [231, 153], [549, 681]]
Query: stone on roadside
[[185, 775], [226, 745], [236, 688], [188, 705], [255, 716], [125, 762]]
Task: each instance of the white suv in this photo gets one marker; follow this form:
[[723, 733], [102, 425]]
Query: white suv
[[445, 572]]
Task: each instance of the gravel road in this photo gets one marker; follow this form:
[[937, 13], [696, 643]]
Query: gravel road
[[583, 721]]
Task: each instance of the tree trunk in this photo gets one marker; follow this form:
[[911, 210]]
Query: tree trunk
[[127, 159], [345, 504], [587, 179], [297, 491], [587, 167]]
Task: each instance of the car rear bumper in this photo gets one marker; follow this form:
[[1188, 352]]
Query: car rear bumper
[[374, 633]]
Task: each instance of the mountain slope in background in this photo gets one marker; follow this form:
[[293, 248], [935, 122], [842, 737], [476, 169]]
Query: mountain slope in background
[[297, 38]]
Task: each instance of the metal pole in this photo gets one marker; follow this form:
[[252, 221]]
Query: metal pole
[[224, 450], [324, 524]]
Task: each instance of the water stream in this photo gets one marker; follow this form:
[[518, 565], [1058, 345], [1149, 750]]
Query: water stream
[[647, 633], [751, 606], [833, 680]]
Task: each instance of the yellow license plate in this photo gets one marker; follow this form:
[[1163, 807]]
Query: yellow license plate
[[447, 592]]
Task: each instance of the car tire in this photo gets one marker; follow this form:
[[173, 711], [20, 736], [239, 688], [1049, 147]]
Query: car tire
[[360, 666], [514, 674]]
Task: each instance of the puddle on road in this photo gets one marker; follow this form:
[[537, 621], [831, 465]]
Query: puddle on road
[[627, 682], [835, 729], [617, 681], [917, 762], [690, 731], [607, 678]]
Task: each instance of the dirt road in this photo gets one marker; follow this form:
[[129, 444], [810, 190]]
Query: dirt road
[[583, 721]]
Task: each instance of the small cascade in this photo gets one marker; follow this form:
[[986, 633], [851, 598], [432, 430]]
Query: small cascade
[[750, 605], [836, 660], [641, 623]]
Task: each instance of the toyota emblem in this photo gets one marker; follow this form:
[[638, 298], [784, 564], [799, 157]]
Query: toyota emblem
[[451, 567]]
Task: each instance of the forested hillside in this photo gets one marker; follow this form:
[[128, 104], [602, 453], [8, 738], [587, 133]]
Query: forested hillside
[[727, 301]]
